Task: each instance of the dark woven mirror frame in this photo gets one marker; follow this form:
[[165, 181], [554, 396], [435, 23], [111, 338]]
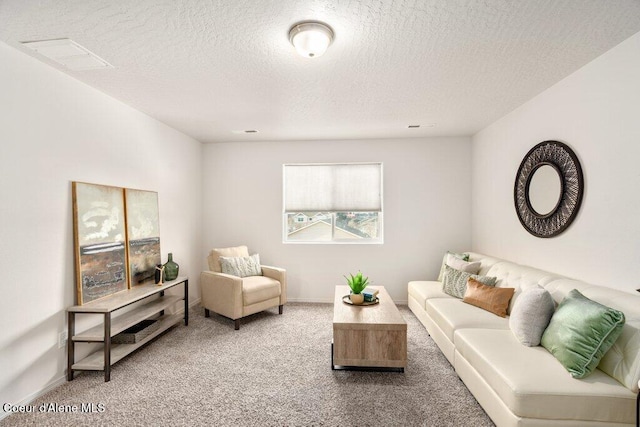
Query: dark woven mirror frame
[[566, 163]]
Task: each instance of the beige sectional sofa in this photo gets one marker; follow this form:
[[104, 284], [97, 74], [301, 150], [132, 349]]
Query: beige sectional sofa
[[526, 386]]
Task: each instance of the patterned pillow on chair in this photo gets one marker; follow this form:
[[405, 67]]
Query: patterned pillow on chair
[[241, 266]]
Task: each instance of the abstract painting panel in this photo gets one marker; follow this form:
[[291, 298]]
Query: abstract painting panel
[[143, 228], [99, 227]]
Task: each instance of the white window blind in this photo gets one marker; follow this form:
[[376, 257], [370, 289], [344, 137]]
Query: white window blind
[[346, 187]]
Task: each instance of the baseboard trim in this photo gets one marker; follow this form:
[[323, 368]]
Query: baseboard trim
[[310, 300], [58, 382], [33, 396]]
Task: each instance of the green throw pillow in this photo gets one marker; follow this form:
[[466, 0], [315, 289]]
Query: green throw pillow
[[581, 331], [463, 257], [454, 282]]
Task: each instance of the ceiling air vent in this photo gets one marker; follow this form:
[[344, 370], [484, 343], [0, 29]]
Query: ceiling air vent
[[428, 125], [68, 53], [240, 132]]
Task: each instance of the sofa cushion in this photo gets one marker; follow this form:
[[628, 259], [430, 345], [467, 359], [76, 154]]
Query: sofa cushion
[[621, 361], [532, 383], [241, 266], [421, 291], [454, 282], [494, 300], [486, 262], [451, 314], [581, 331], [531, 315], [520, 277], [256, 289], [560, 288]]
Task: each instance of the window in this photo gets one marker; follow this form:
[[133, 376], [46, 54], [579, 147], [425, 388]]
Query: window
[[332, 203]]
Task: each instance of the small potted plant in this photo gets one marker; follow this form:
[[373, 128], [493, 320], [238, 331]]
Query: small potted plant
[[357, 284]]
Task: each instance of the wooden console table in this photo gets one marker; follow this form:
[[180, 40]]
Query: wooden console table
[[102, 360]]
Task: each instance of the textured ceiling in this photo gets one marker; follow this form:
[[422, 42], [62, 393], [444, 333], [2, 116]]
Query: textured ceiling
[[208, 68]]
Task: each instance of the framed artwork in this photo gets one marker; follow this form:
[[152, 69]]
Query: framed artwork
[[100, 236], [143, 234]]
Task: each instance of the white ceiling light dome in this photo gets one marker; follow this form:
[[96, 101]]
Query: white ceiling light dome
[[311, 38]]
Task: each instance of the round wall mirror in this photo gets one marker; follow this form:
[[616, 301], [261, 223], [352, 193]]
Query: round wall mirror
[[548, 189], [545, 189]]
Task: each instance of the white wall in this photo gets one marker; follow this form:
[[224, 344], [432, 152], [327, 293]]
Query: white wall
[[426, 209], [596, 112], [54, 130]]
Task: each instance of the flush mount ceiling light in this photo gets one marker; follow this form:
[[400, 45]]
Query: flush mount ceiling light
[[311, 38]]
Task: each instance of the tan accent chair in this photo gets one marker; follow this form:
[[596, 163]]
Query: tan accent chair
[[236, 297]]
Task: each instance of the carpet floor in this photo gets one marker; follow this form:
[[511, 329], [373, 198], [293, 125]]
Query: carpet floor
[[274, 371]]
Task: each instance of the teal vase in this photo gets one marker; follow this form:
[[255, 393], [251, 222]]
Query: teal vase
[[171, 269]]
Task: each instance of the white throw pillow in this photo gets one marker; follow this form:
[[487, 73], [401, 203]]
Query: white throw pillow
[[530, 315], [241, 266], [464, 257], [458, 264]]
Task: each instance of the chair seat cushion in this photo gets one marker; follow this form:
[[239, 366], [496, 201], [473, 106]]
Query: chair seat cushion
[[256, 289], [533, 384]]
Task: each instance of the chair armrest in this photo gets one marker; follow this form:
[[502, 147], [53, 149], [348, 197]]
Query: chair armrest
[[221, 293], [279, 274]]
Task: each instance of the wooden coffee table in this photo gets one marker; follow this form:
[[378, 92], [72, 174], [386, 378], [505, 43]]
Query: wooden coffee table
[[373, 336]]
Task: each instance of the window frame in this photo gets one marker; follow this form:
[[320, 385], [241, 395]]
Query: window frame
[[379, 240]]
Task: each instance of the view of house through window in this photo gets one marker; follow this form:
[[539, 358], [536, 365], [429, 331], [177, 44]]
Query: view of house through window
[[332, 203], [319, 226]]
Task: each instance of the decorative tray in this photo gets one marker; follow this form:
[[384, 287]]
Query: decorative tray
[[346, 300]]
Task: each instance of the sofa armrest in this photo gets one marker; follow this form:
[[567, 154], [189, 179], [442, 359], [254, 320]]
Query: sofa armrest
[[279, 274], [221, 293]]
